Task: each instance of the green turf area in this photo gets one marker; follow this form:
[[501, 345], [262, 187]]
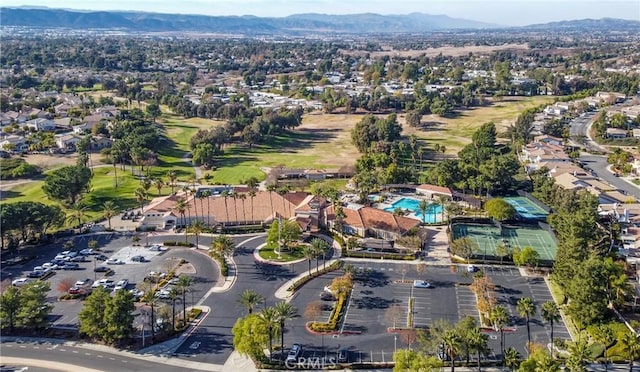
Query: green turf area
[[268, 253], [488, 237]]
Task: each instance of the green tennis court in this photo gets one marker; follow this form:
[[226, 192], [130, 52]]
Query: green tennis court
[[488, 237]]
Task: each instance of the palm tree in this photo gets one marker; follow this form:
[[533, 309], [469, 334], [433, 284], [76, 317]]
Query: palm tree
[[271, 188], [181, 207], [512, 358], [172, 176], [550, 313], [252, 194], [478, 341], [320, 247], [631, 347], [225, 195], [499, 318], [151, 300], [173, 296], [285, 312], [526, 308], [423, 207], [78, 213], [196, 228], [159, 184], [234, 196], [184, 282], [243, 197], [442, 201], [187, 190], [206, 194], [108, 211], [452, 343], [282, 192], [270, 318], [223, 245], [141, 196], [309, 253], [200, 196], [249, 299]]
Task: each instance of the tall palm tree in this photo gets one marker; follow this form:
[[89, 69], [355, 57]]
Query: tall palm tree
[[320, 247], [250, 299], [526, 308], [270, 318], [442, 202], [499, 318], [271, 188], [172, 176], [181, 208], [282, 192], [141, 195], [308, 253], [187, 191], [285, 312], [114, 160], [200, 196], [159, 184], [184, 283], [243, 197], [78, 213], [173, 296], [207, 194], [478, 341], [108, 211], [223, 245], [423, 206], [196, 228], [452, 343], [252, 194], [151, 300], [512, 358], [225, 195], [234, 196], [550, 313], [630, 347]]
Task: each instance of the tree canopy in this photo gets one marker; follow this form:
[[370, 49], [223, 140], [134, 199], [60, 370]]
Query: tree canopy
[[499, 209], [67, 184]]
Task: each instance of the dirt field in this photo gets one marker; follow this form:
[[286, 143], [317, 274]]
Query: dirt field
[[446, 51]]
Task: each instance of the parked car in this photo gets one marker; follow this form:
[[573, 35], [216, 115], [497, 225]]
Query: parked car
[[60, 257], [79, 290], [174, 280], [36, 274], [71, 266], [138, 259], [105, 283], [155, 247], [326, 296], [295, 351], [51, 266], [114, 261], [69, 253], [82, 283], [78, 259], [122, 284], [101, 257], [101, 269], [422, 284], [86, 252], [22, 281], [137, 294], [472, 268]]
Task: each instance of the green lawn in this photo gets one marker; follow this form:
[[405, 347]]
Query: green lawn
[[268, 253]]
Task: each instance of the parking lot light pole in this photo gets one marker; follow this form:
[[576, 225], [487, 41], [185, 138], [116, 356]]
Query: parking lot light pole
[[95, 275], [395, 343]]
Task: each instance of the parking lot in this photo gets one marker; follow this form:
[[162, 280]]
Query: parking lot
[[119, 249], [366, 321]]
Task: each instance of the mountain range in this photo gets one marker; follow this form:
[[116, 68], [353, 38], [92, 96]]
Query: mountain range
[[251, 25]]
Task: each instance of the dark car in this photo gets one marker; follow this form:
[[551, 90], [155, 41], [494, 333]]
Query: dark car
[[101, 257], [326, 296], [71, 266], [101, 269], [138, 259], [343, 356], [78, 259], [35, 274]]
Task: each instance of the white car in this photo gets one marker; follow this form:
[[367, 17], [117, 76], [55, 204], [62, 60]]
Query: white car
[[472, 269], [86, 252], [122, 284], [114, 261], [50, 266], [105, 283], [61, 257], [82, 283], [422, 284], [22, 281]]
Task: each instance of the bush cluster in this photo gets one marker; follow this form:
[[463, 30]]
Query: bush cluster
[[224, 266], [387, 256], [333, 322], [172, 243], [333, 267]]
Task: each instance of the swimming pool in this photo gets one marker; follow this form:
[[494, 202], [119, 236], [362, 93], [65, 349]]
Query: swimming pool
[[433, 213]]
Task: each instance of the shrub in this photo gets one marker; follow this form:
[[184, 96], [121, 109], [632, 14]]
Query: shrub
[[17, 168], [334, 319], [172, 243], [224, 266], [387, 256], [194, 313], [302, 281]]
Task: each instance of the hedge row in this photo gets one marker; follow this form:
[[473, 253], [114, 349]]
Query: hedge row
[[224, 266], [302, 281], [387, 256], [172, 243], [332, 324]]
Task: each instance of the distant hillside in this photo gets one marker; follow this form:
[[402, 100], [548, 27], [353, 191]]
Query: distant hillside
[[295, 24], [299, 23]]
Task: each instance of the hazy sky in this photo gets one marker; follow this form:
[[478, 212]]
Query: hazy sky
[[504, 12]]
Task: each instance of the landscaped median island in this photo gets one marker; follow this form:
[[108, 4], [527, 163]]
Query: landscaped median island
[[341, 288]]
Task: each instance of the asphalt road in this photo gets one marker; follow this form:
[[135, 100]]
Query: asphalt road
[[599, 165], [579, 128], [83, 357]]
